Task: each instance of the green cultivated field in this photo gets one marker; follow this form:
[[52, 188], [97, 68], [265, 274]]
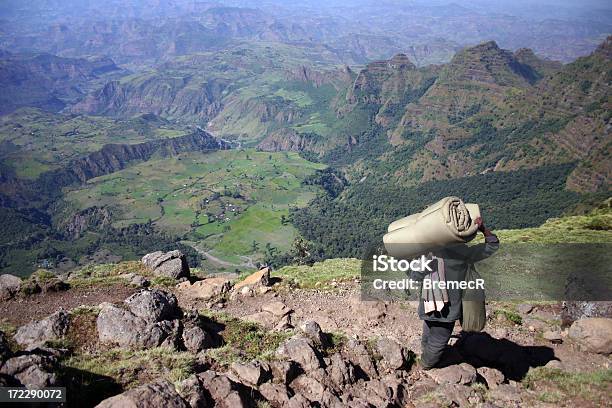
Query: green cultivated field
[[33, 141], [230, 204]]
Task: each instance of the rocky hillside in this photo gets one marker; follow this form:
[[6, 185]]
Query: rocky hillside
[[47, 81], [157, 333], [492, 110]]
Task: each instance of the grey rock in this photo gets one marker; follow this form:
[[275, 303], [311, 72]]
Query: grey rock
[[300, 350], [277, 394], [524, 308], [492, 376], [314, 332], [212, 389], [359, 356], [36, 334], [31, 370], [575, 310], [124, 328], [455, 374], [284, 371], [153, 395], [340, 371], [196, 339], [153, 305], [253, 373], [308, 387], [9, 286], [139, 281], [594, 334], [172, 264], [392, 353]]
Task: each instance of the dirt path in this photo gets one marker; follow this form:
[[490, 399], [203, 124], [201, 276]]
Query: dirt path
[[23, 310]]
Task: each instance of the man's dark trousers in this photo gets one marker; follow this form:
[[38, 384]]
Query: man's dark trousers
[[434, 341]]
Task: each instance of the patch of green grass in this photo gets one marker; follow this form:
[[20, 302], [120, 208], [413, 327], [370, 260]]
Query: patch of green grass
[[127, 367], [321, 272], [591, 228], [556, 385], [510, 315], [244, 341]]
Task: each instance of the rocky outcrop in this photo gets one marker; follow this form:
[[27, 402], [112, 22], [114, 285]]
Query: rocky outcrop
[[9, 286], [32, 370], [186, 97], [206, 289], [171, 264], [149, 319], [593, 334], [87, 219], [254, 280], [46, 81], [152, 395], [288, 140], [37, 334], [213, 389]]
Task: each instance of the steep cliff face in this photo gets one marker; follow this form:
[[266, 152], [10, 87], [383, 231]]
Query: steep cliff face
[[290, 140], [180, 97], [115, 157], [16, 192]]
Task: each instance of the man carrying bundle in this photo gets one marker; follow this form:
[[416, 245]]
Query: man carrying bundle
[[440, 308], [440, 232]]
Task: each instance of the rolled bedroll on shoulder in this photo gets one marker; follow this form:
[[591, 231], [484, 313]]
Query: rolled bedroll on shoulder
[[449, 221]]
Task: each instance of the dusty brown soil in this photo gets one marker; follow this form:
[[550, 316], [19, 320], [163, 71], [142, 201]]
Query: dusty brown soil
[[22, 310]]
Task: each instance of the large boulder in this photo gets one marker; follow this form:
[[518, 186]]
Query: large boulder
[[253, 373], [462, 373], [156, 394], [144, 323], [153, 305], [259, 278], [36, 334], [300, 350], [31, 370], [172, 264], [205, 289], [9, 286], [196, 339], [360, 358], [393, 355], [593, 334], [121, 327]]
